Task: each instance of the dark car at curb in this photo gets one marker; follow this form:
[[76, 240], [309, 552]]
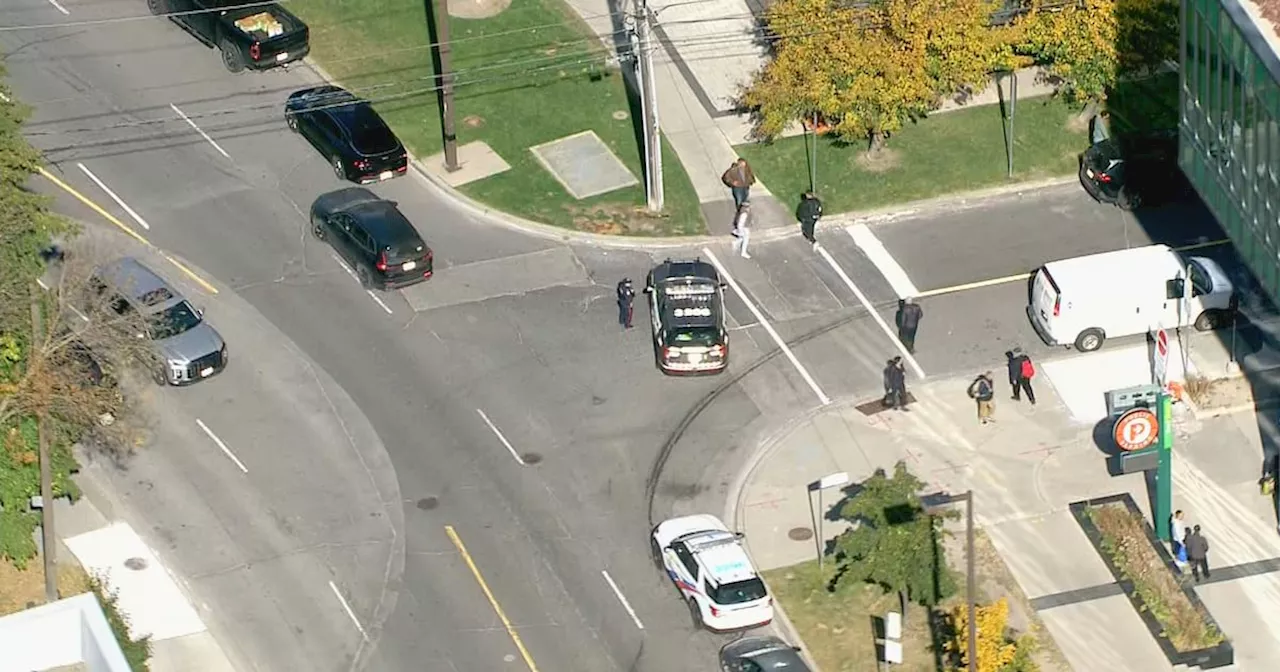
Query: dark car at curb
[[686, 308], [1134, 170], [761, 654], [250, 35], [347, 131], [373, 237]]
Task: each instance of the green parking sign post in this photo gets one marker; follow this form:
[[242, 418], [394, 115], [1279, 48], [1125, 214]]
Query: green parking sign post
[[1143, 430], [1164, 469]]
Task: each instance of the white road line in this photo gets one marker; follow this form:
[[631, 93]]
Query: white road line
[[623, 599], [376, 298], [199, 130], [222, 445], [119, 201], [782, 345], [353, 275], [57, 5], [347, 608], [501, 438], [875, 314], [885, 263], [79, 314]]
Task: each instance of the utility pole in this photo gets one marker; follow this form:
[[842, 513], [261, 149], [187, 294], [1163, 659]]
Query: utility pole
[[971, 582], [649, 109], [443, 49], [46, 469]]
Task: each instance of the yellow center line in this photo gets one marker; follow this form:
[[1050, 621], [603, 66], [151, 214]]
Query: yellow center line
[[493, 601], [125, 227], [1024, 276]]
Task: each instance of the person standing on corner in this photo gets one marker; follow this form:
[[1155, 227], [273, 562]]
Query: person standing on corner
[[1021, 371], [895, 385], [908, 319], [742, 230], [1178, 538], [983, 391], [739, 179], [1198, 553], [808, 213], [626, 301]]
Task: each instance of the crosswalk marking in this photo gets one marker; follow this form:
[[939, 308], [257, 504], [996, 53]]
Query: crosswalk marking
[[884, 262]]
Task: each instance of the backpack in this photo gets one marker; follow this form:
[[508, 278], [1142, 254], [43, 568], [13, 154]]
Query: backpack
[[1028, 369], [973, 388]]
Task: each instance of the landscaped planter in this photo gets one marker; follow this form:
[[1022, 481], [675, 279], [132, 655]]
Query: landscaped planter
[[1205, 657]]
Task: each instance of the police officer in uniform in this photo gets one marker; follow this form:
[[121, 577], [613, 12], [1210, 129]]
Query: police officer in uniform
[[626, 300]]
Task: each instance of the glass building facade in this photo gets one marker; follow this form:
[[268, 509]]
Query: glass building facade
[[1229, 144]]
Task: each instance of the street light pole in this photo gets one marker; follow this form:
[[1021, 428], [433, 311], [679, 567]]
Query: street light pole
[[826, 482], [973, 579]]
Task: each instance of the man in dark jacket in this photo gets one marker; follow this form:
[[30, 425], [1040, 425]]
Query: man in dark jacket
[[739, 179], [1021, 371], [808, 212], [626, 300], [895, 383], [1198, 553], [908, 319]]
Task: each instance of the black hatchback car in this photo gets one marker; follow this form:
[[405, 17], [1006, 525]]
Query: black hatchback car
[[1133, 170], [349, 132], [370, 234]]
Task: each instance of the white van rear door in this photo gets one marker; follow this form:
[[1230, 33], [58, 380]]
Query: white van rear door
[[1046, 299]]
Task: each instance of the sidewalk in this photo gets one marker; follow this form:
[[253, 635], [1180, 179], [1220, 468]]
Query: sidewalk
[[1025, 470], [148, 595]]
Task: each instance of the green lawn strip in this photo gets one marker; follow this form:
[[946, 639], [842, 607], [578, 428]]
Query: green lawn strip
[[946, 153], [837, 627], [516, 88], [1124, 540]]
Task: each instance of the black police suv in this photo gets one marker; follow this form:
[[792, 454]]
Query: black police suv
[[1131, 171], [370, 234], [686, 307], [348, 132]]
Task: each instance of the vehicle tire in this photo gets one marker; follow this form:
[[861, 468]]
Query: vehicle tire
[[160, 377], [292, 121], [231, 58], [1090, 340], [1128, 200], [365, 277], [696, 615], [1208, 320], [338, 168], [656, 553], [317, 230], [158, 7]]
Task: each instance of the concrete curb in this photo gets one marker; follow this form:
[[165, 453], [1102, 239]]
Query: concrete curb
[[549, 232]]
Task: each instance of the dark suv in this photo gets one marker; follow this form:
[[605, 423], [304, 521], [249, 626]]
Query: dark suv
[[348, 132], [686, 306], [1131, 171], [370, 234]]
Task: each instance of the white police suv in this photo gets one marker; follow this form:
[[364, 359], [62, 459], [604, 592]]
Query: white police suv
[[708, 564]]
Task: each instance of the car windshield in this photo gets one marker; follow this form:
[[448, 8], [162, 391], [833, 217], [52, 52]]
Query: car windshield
[[368, 133], [694, 336], [177, 319], [737, 592], [405, 251], [1104, 156], [1200, 280]]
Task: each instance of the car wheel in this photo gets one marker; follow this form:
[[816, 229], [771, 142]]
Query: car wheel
[[317, 230], [366, 278], [158, 7], [1128, 199], [338, 168], [292, 121], [1089, 340], [656, 552], [1208, 320], [695, 614], [160, 377], [231, 58]]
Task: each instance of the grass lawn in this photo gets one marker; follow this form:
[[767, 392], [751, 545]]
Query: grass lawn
[[532, 74], [946, 153], [837, 628]]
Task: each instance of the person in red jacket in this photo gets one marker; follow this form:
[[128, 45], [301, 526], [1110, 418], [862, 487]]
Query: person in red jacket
[[1021, 371]]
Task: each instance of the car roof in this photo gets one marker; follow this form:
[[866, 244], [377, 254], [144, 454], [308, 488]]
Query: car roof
[[139, 284], [384, 221], [1118, 267], [694, 270], [319, 96], [724, 559], [770, 653]]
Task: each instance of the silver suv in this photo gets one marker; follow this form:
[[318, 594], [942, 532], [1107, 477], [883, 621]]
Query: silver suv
[[190, 349]]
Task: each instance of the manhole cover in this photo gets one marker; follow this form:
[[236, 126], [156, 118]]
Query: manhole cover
[[800, 534], [531, 458], [136, 564], [428, 503], [620, 115]]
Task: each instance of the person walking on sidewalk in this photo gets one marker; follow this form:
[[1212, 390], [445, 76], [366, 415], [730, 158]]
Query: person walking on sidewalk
[[742, 230], [983, 391], [895, 383], [1178, 538], [626, 301], [808, 212], [1021, 371], [908, 319], [739, 179], [1198, 553]]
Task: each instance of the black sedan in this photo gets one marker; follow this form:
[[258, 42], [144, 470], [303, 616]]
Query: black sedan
[[369, 233], [761, 654], [1133, 170], [347, 131]]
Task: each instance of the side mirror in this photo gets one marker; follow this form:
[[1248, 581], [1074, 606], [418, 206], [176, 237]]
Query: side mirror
[[648, 290], [1175, 288], [199, 311], [724, 285]]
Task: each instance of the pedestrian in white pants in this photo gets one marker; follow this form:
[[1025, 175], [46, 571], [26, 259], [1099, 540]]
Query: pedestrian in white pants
[[742, 230]]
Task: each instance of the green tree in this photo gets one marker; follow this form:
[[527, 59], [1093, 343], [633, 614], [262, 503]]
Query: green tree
[[1146, 34], [893, 541], [867, 69], [1076, 43]]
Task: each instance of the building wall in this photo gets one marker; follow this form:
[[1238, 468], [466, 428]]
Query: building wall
[[1230, 128]]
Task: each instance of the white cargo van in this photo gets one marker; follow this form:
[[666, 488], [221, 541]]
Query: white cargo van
[[1086, 300]]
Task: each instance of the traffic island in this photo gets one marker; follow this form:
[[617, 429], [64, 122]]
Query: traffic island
[[1144, 570]]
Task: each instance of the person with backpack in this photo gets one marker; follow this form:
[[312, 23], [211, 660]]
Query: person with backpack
[[983, 391], [1021, 371]]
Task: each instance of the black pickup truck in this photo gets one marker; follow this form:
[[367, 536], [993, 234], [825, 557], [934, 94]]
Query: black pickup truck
[[253, 35]]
